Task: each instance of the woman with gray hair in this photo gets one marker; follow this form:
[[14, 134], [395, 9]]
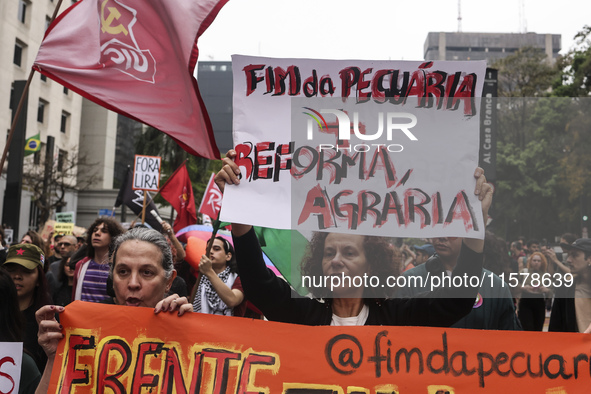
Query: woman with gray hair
[[141, 267], [142, 271]]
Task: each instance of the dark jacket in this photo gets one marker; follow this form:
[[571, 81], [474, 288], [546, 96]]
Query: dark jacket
[[493, 309], [564, 316], [279, 302]]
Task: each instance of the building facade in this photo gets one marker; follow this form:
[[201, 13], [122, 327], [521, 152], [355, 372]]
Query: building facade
[[486, 46], [79, 129], [216, 86]]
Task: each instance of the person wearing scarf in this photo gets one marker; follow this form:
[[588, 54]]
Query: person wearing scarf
[[219, 291]]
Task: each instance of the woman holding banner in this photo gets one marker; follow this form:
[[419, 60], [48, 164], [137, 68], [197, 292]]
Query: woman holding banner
[[349, 254], [142, 271]]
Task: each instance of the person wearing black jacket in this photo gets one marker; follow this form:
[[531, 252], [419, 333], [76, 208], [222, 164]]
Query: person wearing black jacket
[[343, 253], [571, 311]]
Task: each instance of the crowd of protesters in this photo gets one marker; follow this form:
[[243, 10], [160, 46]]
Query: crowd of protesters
[[145, 268]]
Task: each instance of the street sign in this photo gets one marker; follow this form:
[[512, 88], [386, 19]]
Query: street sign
[[105, 212]]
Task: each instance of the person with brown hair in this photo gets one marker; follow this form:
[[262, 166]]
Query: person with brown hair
[[33, 237], [90, 277], [11, 330], [24, 263]]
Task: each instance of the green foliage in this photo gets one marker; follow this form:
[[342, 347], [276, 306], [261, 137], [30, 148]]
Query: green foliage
[[155, 143], [543, 160], [527, 73], [575, 66]]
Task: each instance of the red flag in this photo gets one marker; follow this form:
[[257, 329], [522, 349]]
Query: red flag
[[179, 193], [136, 57], [212, 200]]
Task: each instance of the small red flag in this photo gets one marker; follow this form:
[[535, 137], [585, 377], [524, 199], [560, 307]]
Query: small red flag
[[212, 200], [179, 193], [136, 57]]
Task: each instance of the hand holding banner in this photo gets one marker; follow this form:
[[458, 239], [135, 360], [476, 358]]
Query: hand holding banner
[[366, 147], [135, 349]]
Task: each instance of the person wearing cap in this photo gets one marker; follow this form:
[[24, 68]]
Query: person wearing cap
[[24, 263], [33, 237], [571, 311], [417, 257], [423, 253], [11, 330], [566, 241]]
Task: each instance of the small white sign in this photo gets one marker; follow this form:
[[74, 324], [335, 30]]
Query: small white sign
[[146, 173], [8, 235], [11, 358]]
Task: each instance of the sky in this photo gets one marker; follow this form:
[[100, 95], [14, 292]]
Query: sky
[[375, 29]]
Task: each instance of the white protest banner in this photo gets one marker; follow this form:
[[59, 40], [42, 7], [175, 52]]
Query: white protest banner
[[8, 235], [11, 355], [369, 147], [146, 173]]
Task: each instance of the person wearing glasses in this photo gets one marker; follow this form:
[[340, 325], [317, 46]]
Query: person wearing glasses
[[66, 246]]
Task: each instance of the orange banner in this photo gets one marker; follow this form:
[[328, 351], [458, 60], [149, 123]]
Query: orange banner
[[117, 349]]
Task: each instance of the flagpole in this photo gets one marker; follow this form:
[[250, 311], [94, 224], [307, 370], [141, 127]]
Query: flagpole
[[144, 207], [19, 108], [15, 119]]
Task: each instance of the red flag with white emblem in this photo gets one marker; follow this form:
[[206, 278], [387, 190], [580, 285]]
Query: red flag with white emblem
[[179, 193], [136, 57], [212, 200]]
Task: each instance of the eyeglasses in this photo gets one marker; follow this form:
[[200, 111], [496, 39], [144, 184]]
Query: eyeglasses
[[63, 244]]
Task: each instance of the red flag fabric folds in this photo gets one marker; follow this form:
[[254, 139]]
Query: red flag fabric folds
[[136, 57], [212, 200], [179, 193]]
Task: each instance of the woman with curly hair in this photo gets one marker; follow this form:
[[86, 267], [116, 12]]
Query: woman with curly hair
[[532, 304], [342, 256], [383, 260]]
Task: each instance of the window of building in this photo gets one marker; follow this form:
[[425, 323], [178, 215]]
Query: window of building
[[19, 49], [11, 102], [41, 110], [22, 10], [66, 90], [47, 21], [43, 78], [64, 122], [34, 214], [62, 159]]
